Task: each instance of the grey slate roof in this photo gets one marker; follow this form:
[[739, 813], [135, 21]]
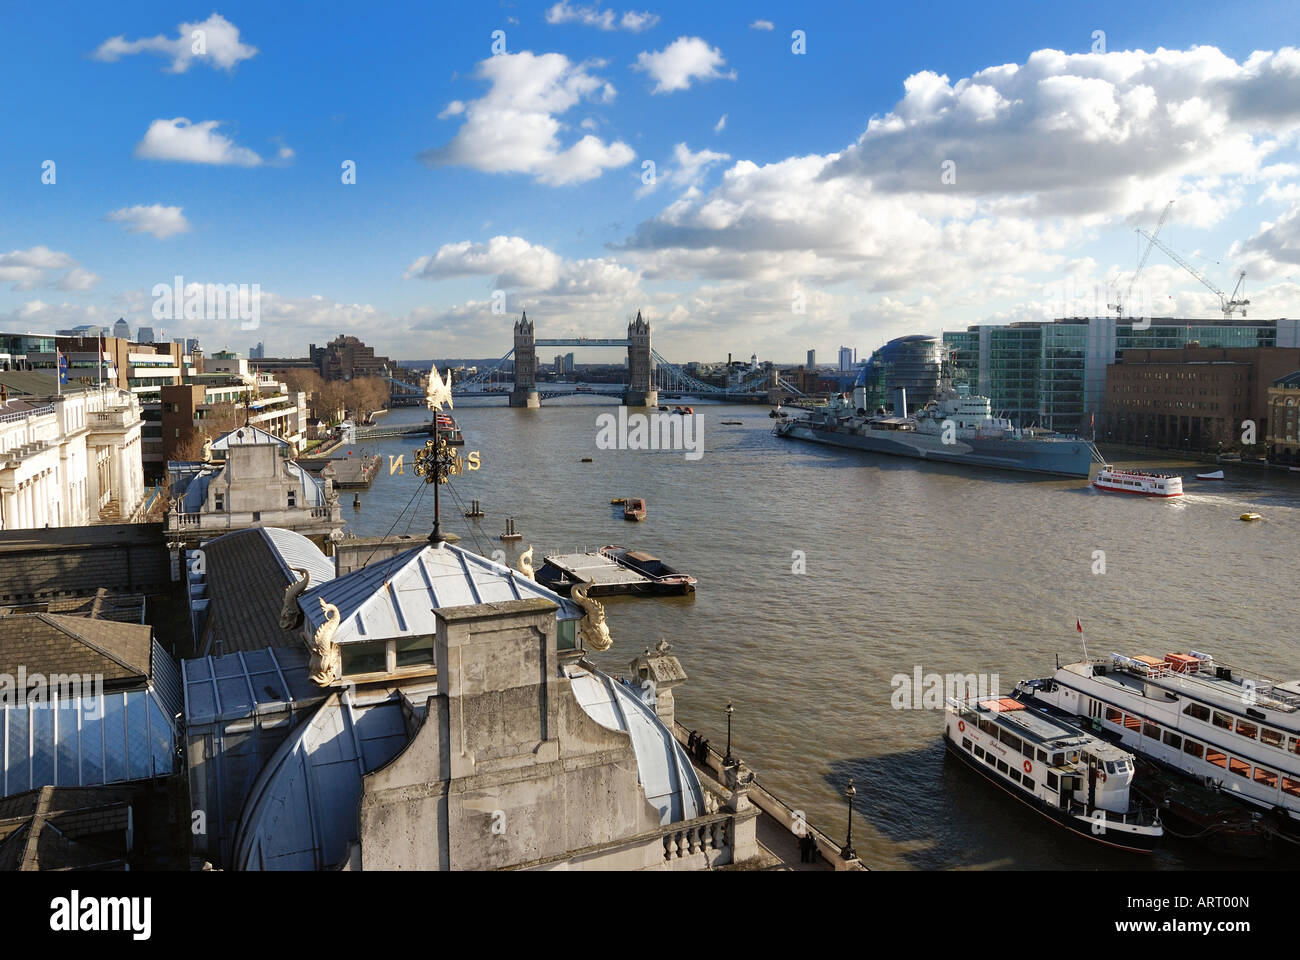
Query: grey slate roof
[[1290, 380], [51, 643], [396, 597]]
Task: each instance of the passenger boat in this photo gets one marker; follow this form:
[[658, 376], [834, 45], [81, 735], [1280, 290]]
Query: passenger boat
[[1238, 734], [448, 430], [1139, 482], [1216, 475], [1044, 759], [662, 579], [634, 508]]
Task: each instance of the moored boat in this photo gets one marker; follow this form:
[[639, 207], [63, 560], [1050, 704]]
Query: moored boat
[[1138, 482], [1044, 759], [1248, 517], [634, 508], [662, 578], [1237, 733]]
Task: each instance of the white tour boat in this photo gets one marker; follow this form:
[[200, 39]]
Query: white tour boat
[[1044, 758], [1139, 482], [1237, 734]]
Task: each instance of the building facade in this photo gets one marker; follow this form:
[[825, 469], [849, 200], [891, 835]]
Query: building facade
[[1283, 437], [1194, 398], [346, 357], [69, 460], [1053, 373]]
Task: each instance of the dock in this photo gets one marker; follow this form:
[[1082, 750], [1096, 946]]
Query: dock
[[606, 577], [350, 473]]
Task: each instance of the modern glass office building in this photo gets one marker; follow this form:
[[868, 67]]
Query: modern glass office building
[[913, 363], [1052, 373]]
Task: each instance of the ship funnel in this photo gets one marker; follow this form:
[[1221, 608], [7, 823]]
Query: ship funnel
[[900, 401]]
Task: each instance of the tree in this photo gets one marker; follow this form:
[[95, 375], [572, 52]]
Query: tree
[[218, 419]]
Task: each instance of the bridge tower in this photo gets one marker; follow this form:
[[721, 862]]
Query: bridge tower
[[524, 393], [640, 393]]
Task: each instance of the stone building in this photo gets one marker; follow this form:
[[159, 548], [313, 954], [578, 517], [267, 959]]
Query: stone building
[[67, 459], [459, 725], [346, 357], [1283, 436], [250, 481]]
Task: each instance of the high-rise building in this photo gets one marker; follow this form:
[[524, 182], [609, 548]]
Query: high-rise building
[[145, 335], [912, 363], [257, 352], [812, 360], [122, 329], [568, 363], [191, 344], [847, 358], [1052, 373], [559, 365], [346, 357]]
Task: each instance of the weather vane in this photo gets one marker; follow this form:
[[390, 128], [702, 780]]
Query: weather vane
[[434, 463]]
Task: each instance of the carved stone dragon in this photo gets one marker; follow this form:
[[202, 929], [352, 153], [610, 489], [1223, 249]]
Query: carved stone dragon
[[595, 631], [290, 613], [526, 563], [326, 662]]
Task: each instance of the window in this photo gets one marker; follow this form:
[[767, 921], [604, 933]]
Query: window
[[219, 502], [566, 635], [1114, 716], [965, 743], [1173, 739], [1132, 723], [1216, 758], [1028, 750], [1042, 756], [1199, 711], [1291, 786], [1051, 781], [1002, 766], [1192, 748], [1010, 739], [1150, 730], [1272, 738], [1058, 759], [1222, 720], [979, 752], [1294, 744], [1015, 774], [370, 657], [1029, 785], [991, 760], [989, 727], [1267, 777], [414, 651], [293, 498], [1247, 729], [1240, 767]]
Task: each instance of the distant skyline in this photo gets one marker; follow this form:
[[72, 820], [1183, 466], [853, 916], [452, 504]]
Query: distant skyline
[[824, 175]]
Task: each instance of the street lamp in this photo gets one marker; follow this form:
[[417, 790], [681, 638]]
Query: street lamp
[[728, 761], [847, 852]]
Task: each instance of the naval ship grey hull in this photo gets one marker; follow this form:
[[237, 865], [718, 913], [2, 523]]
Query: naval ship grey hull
[[1059, 456]]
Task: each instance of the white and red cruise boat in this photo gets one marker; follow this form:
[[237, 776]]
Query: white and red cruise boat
[[1187, 712], [1045, 759], [1139, 482]]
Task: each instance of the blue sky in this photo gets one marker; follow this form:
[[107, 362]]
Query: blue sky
[[774, 232]]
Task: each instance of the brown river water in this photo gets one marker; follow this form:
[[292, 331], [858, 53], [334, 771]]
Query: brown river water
[[903, 565]]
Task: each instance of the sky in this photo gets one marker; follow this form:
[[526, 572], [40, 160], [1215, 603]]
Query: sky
[[754, 178]]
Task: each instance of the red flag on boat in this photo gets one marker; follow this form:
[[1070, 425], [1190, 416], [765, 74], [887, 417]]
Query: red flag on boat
[[1078, 625]]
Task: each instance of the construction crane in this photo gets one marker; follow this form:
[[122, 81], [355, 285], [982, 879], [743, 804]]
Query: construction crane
[[1229, 305], [1118, 305]]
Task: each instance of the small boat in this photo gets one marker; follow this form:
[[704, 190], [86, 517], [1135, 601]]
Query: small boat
[[1216, 475], [662, 579], [446, 429], [1251, 516], [634, 508], [1138, 482], [1043, 757], [586, 460], [731, 423], [663, 408], [776, 414]]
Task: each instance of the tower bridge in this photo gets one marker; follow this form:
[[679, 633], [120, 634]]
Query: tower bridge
[[649, 374]]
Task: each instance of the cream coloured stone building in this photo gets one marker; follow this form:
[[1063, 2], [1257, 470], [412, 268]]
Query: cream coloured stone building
[[69, 460]]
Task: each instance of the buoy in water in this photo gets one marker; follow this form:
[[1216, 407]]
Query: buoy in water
[[474, 510], [356, 501], [510, 533]]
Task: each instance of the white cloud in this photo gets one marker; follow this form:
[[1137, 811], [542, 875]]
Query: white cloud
[[686, 171], [34, 267], [513, 128], [680, 63], [515, 264], [721, 124], [155, 219], [214, 41], [186, 142], [606, 19], [762, 25]]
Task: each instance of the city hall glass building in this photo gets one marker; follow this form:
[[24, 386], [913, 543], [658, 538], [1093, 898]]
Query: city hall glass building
[[1052, 373]]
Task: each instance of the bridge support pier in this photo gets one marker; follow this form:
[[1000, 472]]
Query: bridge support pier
[[524, 393], [525, 398], [640, 388], [641, 398]]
